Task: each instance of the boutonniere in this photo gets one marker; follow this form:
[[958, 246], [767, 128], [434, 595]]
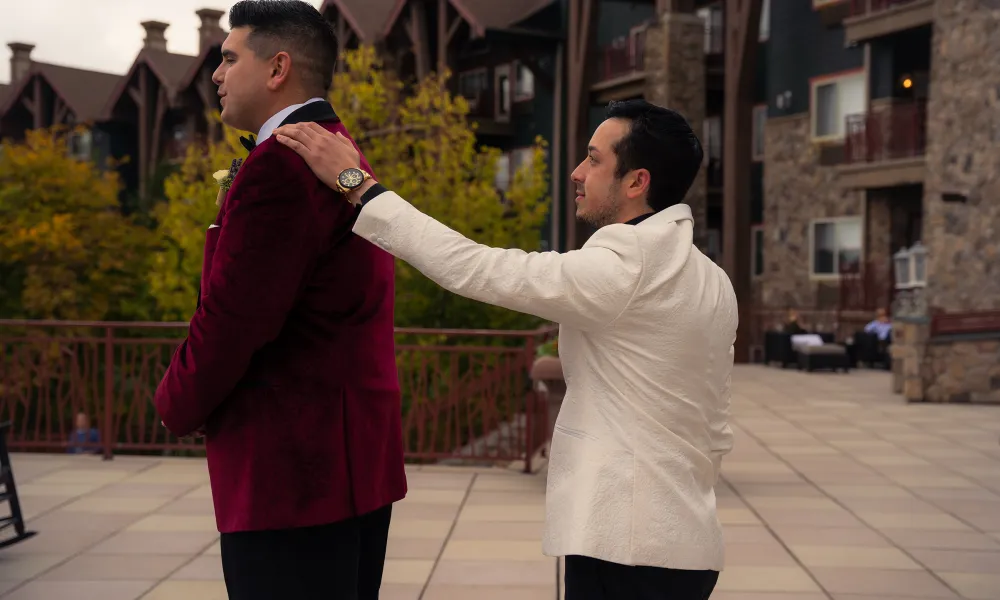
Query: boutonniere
[[225, 179]]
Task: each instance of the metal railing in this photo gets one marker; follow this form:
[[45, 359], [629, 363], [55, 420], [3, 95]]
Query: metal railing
[[625, 56], [466, 393], [895, 131], [867, 7]]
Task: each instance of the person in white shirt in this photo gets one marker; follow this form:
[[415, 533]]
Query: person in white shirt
[[648, 324]]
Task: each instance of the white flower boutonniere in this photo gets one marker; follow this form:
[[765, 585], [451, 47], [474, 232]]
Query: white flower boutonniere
[[225, 179]]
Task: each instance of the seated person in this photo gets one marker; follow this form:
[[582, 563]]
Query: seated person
[[882, 328], [83, 434], [792, 325]]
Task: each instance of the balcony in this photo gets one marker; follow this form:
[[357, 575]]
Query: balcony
[[621, 67], [488, 110], [885, 146], [875, 18]]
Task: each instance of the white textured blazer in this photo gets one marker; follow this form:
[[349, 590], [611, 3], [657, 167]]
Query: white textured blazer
[[646, 341]]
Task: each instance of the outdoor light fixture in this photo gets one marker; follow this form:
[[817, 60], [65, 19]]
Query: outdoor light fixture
[[907, 83], [901, 260]]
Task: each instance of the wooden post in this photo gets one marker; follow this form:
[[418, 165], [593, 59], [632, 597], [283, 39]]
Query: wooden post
[[556, 147], [581, 17], [39, 120], [162, 104], [417, 30], [442, 36], [140, 97], [742, 24], [109, 393]]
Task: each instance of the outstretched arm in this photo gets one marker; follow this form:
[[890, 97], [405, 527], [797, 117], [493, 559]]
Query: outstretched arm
[[266, 244], [587, 288]]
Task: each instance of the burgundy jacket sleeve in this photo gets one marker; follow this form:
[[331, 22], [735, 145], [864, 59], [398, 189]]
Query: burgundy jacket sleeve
[[266, 246]]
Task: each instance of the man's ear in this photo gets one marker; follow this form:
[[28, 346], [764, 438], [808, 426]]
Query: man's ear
[[639, 183], [281, 68]]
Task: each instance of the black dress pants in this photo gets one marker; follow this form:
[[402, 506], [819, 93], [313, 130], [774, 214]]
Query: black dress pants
[[340, 561], [593, 579]]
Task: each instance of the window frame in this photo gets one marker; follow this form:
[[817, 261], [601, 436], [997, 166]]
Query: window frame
[[469, 72], [758, 137], [517, 96], [764, 32], [835, 276], [498, 73], [756, 230], [817, 82]]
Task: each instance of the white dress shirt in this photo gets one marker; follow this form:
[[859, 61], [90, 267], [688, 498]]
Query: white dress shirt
[[646, 341], [271, 124]]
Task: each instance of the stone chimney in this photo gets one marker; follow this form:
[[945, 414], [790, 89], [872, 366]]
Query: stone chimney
[[210, 31], [20, 60], [156, 38]]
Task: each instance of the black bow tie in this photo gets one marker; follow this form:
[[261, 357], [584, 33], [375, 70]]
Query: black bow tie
[[249, 143]]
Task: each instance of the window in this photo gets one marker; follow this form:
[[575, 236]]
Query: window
[[712, 16], [833, 99], [759, 121], [502, 180], [835, 246], [503, 93], [712, 140], [472, 84], [765, 21], [713, 245], [524, 86], [757, 249], [81, 145], [520, 158]]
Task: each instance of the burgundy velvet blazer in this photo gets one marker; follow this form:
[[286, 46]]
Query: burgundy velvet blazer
[[289, 363]]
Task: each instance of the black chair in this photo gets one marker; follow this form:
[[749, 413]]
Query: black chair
[[872, 351], [778, 347], [8, 495]]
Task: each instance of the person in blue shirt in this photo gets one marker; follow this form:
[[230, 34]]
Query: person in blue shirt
[[83, 434], [881, 326]]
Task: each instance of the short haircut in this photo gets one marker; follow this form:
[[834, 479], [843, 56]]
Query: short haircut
[[294, 27], [661, 141]]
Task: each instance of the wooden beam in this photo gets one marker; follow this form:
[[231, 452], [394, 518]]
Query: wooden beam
[[59, 111], [136, 96], [742, 24], [556, 148], [453, 29], [343, 36], [162, 104], [416, 29], [442, 36], [582, 15], [142, 95], [37, 113]]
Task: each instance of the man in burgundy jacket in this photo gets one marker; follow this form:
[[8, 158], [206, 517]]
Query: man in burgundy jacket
[[289, 365]]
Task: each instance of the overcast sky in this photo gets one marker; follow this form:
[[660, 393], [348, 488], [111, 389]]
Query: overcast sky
[[102, 35]]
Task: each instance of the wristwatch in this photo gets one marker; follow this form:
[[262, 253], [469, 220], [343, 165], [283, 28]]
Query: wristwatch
[[351, 179]]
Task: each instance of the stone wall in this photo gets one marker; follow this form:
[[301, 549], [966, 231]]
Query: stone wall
[[675, 78], [963, 156], [878, 229], [797, 189], [962, 370]]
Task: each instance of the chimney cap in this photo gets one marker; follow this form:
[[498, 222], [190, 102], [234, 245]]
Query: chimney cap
[[154, 25], [20, 47], [210, 13]]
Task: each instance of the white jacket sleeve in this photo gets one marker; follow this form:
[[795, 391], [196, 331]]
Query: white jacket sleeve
[[587, 288]]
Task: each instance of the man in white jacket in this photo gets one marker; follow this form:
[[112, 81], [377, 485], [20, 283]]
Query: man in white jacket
[[647, 329]]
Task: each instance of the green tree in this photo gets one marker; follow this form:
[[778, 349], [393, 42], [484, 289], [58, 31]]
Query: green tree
[[421, 144], [189, 208], [66, 251]]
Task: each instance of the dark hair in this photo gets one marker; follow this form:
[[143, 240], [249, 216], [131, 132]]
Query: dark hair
[[661, 141], [294, 27]]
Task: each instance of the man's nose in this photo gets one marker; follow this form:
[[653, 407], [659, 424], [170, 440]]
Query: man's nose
[[218, 77], [577, 175]]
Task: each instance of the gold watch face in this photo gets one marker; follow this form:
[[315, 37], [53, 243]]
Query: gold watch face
[[351, 178]]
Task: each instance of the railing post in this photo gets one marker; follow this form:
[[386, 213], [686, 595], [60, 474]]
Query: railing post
[[109, 381], [529, 420]]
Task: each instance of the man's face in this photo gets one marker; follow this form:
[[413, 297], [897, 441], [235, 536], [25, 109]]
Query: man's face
[[599, 195], [243, 82], [82, 422]]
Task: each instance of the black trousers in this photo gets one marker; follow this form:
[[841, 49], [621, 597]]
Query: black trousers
[[340, 561], [593, 579]]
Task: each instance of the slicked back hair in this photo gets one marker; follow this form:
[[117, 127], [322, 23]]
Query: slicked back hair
[[294, 27], [661, 141]]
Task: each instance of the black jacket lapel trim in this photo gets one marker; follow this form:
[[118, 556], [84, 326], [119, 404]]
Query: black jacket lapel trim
[[314, 112]]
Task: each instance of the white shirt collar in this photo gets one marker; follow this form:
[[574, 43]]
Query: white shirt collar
[[271, 124]]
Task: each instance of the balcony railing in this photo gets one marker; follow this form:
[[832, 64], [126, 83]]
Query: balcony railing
[[465, 393], [867, 7], [892, 132], [625, 56]]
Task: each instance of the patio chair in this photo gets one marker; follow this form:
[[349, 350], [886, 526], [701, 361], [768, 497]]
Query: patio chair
[[8, 495]]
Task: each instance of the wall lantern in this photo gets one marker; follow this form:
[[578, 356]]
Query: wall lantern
[[901, 262]]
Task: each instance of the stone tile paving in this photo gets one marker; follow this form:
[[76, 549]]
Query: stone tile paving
[[835, 491]]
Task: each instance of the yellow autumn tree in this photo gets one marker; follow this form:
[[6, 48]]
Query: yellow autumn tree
[[182, 219], [421, 145], [66, 251]]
